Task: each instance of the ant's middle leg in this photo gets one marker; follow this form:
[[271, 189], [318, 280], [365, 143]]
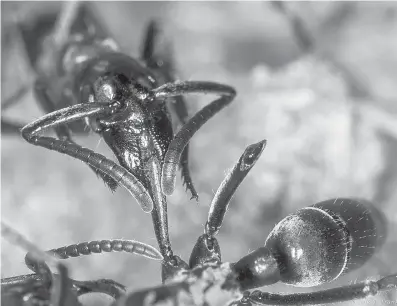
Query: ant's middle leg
[[166, 68]]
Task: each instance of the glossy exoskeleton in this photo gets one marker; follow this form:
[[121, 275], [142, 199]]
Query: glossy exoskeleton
[[313, 246], [123, 99]]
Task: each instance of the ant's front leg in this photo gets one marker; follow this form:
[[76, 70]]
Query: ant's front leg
[[165, 67], [62, 131], [79, 111], [335, 295], [182, 138]]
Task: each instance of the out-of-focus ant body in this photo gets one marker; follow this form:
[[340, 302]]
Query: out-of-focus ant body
[[123, 100]]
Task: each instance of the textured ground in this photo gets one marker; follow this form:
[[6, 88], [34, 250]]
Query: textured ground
[[329, 118]]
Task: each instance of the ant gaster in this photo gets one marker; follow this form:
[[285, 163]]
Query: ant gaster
[[124, 101]]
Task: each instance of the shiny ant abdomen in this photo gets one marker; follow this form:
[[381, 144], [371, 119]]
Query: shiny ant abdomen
[[124, 118], [311, 247]]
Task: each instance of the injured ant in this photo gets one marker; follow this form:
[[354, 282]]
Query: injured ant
[[123, 100], [314, 246]]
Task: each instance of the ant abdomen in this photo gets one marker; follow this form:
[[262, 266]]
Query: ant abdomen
[[319, 243]]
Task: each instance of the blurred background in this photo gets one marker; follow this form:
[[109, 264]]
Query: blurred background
[[322, 92]]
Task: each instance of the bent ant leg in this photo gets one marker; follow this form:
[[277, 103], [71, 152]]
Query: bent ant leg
[[207, 246], [62, 131], [335, 295], [182, 138], [171, 264], [166, 67], [60, 292], [105, 165], [35, 259]]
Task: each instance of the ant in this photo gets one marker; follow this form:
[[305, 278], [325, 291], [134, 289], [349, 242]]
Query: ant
[[313, 246], [123, 101]]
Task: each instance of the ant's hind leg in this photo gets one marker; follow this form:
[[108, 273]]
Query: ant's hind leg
[[335, 295]]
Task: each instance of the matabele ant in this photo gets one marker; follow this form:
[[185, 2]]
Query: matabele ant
[[123, 100], [311, 247]]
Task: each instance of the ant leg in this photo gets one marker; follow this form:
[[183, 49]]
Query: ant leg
[[335, 295], [172, 264], [37, 257], [178, 104], [62, 131], [159, 213], [106, 286], [207, 247], [76, 112], [61, 291], [148, 43], [181, 139]]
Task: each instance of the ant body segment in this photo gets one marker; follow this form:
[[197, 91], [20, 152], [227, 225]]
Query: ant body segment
[[123, 100], [313, 246]]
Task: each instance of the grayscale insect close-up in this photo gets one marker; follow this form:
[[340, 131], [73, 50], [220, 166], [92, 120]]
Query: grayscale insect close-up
[[288, 107]]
